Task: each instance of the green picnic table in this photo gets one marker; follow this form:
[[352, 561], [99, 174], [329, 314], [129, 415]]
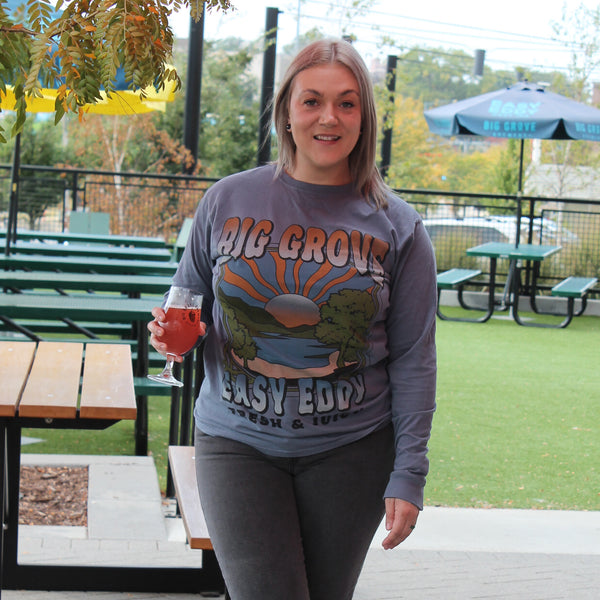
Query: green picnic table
[[514, 288], [133, 285], [89, 238], [88, 264], [55, 249]]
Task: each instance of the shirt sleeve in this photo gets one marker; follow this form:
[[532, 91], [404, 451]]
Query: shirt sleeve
[[411, 326]]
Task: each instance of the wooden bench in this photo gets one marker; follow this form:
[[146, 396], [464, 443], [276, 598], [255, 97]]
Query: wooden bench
[[183, 471]]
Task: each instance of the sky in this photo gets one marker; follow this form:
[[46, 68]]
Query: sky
[[512, 32]]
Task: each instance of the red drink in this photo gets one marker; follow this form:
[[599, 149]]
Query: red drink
[[182, 329]]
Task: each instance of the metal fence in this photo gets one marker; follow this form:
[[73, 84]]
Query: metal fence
[[156, 205], [138, 203]]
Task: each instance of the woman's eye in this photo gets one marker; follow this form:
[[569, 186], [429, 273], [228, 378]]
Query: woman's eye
[[310, 102], [347, 104]]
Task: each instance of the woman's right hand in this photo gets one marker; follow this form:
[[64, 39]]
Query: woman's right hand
[[156, 331]]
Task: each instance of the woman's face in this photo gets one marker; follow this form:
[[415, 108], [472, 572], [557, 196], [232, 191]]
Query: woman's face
[[325, 119]]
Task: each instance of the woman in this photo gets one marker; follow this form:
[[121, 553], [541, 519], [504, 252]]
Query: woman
[[320, 293]]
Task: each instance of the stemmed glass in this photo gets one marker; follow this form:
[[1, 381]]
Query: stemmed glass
[[181, 329]]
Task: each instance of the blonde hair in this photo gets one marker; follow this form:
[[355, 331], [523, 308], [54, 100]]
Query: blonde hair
[[362, 159]]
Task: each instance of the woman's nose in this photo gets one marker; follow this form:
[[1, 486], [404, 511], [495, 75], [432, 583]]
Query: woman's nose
[[328, 116]]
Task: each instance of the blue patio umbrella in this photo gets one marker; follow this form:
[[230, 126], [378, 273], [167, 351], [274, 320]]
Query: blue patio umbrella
[[521, 111]]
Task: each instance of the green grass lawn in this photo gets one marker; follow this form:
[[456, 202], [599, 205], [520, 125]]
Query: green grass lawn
[[517, 423]]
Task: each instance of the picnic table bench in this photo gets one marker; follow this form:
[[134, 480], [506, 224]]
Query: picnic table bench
[[183, 470], [98, 282], [456, 279], [182, 238], [88, 264], [92, 250], [570, 288], [90, 238], [132, 285]]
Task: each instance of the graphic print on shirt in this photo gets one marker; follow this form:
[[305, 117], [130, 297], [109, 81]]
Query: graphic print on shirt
[[297, 311]]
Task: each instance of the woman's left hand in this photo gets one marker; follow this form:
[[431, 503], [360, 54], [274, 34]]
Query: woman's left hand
[[400, 520]]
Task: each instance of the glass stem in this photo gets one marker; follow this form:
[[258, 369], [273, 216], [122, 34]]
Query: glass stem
[[169, 366]]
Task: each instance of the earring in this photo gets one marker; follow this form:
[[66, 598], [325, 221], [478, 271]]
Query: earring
[[288, 127]]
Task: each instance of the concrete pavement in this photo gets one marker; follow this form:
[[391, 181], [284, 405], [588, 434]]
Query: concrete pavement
[[454, 553]]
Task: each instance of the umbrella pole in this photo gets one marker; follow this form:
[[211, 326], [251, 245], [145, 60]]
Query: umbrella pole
[[520, 193], [11, 226]]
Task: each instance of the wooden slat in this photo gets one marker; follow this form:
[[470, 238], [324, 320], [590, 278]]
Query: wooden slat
[[15, 362], [53, 385], [183, 469], [107, 391]]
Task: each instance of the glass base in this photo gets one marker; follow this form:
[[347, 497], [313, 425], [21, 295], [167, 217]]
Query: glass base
[[166, 378]]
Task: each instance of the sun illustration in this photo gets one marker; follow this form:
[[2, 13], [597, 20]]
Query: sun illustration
[[293, 310], [299, 292]]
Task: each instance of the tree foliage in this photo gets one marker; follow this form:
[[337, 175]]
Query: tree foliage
[[507, 168], [78, 47], [230, 108]]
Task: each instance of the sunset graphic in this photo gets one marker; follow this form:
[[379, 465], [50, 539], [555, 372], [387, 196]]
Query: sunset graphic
[[277, 310]]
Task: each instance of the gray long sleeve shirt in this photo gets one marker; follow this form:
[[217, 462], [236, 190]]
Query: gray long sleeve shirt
[[321, 314]]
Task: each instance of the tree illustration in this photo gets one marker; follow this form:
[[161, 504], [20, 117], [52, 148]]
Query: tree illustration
[[344, 323], [241, 342]]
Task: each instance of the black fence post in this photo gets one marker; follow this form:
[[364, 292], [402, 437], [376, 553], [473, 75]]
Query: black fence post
[[191, 119], [268, 85], [388, 119]]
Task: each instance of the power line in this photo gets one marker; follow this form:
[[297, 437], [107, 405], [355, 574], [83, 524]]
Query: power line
[[391, 30], [386, 17]]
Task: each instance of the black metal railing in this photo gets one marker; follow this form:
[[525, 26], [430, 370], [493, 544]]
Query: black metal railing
[[138, 203], [157, 204]]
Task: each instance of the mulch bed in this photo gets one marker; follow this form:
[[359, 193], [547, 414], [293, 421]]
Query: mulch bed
[[53, 496]]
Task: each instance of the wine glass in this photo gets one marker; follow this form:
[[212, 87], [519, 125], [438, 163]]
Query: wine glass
[[181, 329]]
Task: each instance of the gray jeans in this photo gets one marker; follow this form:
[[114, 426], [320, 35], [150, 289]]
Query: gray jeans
[[293, 528]]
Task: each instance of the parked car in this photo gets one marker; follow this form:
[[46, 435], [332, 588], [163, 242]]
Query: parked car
[[473, 231]]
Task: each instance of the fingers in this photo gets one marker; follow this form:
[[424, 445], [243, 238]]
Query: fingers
[[400, 520], [156, 331]]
